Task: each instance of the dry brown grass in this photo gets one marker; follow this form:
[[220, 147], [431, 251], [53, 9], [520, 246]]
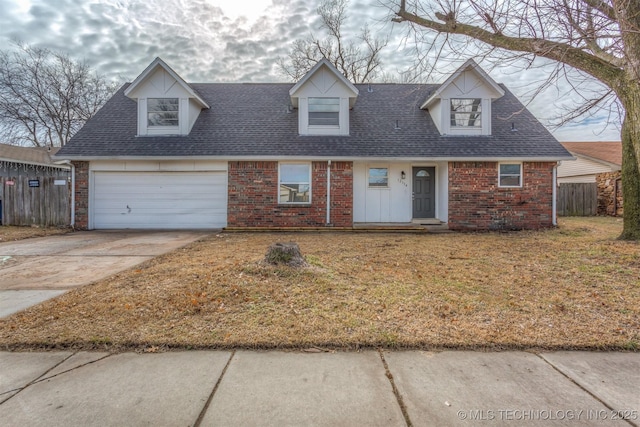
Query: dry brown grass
[[10, 233], [575, 287]]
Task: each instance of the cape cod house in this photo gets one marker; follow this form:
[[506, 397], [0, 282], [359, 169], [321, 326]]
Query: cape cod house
[[323, 152]]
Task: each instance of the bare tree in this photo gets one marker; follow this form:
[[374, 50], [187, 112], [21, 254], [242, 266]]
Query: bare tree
[[45, 96], [599, 38], [357, 61]]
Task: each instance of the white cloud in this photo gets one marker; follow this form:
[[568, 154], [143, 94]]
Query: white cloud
[[251, 10], [222, 41]]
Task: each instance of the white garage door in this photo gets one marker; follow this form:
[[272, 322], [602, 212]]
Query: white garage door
[[159, 200]]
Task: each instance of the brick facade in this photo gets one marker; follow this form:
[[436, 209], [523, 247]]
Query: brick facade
[[477, 203], [475, 200], [253, 196], [610, 200], [81, 195]]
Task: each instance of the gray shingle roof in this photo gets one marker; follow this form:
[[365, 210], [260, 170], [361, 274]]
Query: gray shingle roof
[[252, 120]]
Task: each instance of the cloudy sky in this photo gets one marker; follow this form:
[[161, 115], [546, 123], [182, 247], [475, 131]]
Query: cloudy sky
[[233, 41]]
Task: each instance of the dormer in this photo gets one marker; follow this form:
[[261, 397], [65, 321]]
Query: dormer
[[462, 104], [323, 98], [167, 105]]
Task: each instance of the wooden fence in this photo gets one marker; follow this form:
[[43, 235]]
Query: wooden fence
[[34, 200], [577, 199]]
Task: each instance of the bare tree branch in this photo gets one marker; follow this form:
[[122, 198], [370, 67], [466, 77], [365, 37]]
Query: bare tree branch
[[358, 62], [595, 66], [45, 96]]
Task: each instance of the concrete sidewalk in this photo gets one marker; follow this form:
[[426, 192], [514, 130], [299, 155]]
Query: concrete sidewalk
[[206, 388]]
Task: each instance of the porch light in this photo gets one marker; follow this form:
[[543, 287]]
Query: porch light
[[403, 175]]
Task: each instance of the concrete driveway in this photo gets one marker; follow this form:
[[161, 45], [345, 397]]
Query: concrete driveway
[[34, 270]]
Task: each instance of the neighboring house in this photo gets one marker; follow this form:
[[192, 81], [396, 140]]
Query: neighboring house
[[322, 152], [33, 189], [600, 163], [592, 158]]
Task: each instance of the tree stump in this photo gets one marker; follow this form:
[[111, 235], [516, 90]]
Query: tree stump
[[285, 253]]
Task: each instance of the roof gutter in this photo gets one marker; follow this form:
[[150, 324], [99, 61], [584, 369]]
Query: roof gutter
[[614, 166], [324, 158]]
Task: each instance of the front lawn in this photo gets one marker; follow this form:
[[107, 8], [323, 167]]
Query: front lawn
[[574, 287]]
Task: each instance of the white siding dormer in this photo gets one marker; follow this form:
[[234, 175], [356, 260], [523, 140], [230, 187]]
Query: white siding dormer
[[466, 100], [166, 103], [462, 104], [323, 98]]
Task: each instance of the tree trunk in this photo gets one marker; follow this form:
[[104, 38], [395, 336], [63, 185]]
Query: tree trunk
[[628, 17], [630, 169]]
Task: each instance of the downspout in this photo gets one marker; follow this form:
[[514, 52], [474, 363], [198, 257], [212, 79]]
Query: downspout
[[73, 190], [554, 216], [328, 192]]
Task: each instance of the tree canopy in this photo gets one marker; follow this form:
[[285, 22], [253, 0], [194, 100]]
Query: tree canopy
[[46, 96], [358, 59]]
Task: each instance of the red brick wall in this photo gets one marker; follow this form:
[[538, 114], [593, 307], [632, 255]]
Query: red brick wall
[[253, 196], [82, 195], [477, 203]]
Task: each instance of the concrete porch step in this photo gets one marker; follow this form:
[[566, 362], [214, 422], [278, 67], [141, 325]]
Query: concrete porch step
[[429, 226], [392, 227]]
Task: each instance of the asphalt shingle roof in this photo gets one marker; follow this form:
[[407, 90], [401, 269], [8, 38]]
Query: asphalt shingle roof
[[253, 120], [28, 155], [610, 151]]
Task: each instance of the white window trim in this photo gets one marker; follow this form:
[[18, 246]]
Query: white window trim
[[378, 187], [521, 175], [183, 120], [171, 127], [303, 119], [445, 119], [322, 126], [310, 184], [451, 112]]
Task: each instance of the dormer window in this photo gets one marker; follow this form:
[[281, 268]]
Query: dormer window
[[163, 112], [324, 112], [466, 113], [323, 98], [461, 106], [167, 105]]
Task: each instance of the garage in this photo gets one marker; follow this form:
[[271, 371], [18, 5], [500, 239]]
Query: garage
[[159, 199]]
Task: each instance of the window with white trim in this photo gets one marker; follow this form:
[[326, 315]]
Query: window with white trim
[[510, 175], [324, 111], [163, 112], [294, 184], [466, 113], [378, 177]]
